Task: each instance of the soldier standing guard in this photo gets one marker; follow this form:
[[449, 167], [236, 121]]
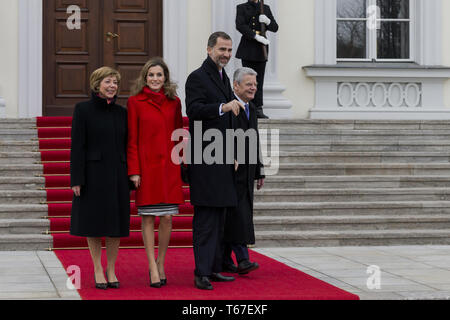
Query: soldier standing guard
[[249, 22]]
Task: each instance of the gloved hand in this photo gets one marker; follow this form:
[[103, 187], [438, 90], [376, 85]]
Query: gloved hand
[[264, 19], [262, 40]]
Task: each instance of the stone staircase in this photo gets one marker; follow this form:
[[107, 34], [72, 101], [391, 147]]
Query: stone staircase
[[339, 183], [356, 183], [22, 216]]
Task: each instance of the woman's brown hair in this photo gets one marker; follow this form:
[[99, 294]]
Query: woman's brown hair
[[170, 88], [101, 73]]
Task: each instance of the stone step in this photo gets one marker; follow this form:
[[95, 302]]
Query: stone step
[[351, 208], [355, 124], [343, 223], [23, 211], [366, 135], [24, 226], [19, 146], [21, 183], [359, 146], [24, 123], [19, 157], [20, 170], [18, 134], [363, 157], [25, 242], [313, 182], [352, 238], [22, 197], [358, 169], [348, 195]]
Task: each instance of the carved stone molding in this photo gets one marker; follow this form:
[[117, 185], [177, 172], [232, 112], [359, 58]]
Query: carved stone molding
[[379, 94]]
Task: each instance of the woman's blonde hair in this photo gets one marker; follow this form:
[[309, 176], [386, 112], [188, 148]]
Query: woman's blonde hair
[[101, 73], [170, 88]]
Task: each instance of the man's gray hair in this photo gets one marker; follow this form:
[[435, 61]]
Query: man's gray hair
[[241, 72]]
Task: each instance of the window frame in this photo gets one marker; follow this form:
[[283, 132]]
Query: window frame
[[371, 36]]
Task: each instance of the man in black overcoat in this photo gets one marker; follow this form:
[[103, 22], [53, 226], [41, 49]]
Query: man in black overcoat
[[250, 50], [239, 229], [209, 104]]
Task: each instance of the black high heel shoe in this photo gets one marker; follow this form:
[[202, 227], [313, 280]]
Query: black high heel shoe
[[163, 282], [156, 284], [113, 285], [101, 286]]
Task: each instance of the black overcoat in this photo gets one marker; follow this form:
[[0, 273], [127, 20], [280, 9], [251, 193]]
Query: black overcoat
[[98, 164], [211, 185], [239, 227], [247, 23]]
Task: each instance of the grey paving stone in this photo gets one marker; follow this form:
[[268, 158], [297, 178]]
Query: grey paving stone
[[28, 295], [69, 295], [20, 270], [405, 272], [432, 278], [440, 286], [380, 296], [426, 295], [27, 287], [25, 278]]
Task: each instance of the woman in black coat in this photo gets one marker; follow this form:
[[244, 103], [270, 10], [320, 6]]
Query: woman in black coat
[[98, 169]]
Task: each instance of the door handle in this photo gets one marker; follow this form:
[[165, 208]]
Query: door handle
[[111, 35]]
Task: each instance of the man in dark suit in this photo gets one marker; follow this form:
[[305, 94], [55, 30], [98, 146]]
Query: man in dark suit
[[209, 104], [239, 229], [250, 50]]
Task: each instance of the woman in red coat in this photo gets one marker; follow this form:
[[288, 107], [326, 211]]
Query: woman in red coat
[[154, 112]]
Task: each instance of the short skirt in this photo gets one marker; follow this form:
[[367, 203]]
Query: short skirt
[[158, 210]]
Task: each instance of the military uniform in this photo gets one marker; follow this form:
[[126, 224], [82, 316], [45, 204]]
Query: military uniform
[[250, 51]]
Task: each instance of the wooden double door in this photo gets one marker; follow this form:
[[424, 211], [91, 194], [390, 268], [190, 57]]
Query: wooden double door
[[122, 34]]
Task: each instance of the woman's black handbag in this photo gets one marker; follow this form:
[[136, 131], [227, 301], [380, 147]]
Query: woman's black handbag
[[131, 185]]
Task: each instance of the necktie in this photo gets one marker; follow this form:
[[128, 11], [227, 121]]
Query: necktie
[[247, 111]]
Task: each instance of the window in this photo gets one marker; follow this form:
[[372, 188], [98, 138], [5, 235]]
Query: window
[[374, 30]]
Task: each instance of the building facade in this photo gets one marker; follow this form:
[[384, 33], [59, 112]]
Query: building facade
[[331, 59]]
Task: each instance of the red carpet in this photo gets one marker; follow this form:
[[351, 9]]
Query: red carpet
[[272, 281]]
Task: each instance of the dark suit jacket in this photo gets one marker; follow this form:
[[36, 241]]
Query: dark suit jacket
[[247, 23], [211, 185], [239, 227]]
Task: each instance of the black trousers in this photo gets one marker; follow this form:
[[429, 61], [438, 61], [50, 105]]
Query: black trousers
[[207, 232], [240, 251], [260, 68]]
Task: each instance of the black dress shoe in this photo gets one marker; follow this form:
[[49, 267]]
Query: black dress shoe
[[113, 285], [229, 268], [163, 282], [260, 115], [202, 283], [217, 277], [246, 266]]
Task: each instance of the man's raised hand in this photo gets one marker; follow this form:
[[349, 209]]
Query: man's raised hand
[[234, 106]]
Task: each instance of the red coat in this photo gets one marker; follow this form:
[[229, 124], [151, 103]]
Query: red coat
[[152, 118]]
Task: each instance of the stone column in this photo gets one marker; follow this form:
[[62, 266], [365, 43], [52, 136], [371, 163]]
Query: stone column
[[276, 106], [30, 58], [175, 42]]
